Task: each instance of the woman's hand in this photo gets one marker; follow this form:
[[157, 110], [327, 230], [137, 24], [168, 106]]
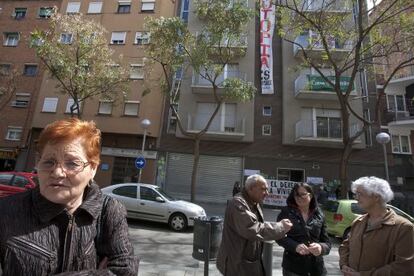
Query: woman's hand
[[347, 271], [302, 249], [315, 249], [287, 224]]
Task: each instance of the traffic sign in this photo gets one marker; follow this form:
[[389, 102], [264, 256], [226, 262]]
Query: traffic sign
[[140, 162]]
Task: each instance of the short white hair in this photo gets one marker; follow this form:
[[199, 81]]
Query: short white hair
[[374, 185], [253, 179]]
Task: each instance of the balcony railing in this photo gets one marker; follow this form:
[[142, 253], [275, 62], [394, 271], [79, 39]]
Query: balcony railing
[[313, 130], [407, 72], [315, 86], [328, 5], [313, 43], [200, 81], [401, 111]]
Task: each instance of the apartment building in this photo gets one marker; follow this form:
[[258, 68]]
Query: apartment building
[[291, 133], [398, 119], [120, 121], [20, 68]]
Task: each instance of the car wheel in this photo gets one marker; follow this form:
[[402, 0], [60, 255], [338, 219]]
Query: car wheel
[[346, 233], [178, 222]]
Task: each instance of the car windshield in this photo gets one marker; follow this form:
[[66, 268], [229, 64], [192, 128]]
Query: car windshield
[[331, 206], [164, 194], [401, 213], [356, 209]]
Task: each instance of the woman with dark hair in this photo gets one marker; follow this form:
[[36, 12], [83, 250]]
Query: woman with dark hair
[[307, 240]]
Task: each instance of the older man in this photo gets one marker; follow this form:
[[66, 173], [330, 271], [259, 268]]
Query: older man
[[245, 230]]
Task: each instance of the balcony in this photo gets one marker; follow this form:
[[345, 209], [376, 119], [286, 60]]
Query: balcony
[[400, 111], [317, 133], [314, 48], [235, 47], [314, 87], [332, 6], [218, 129], [200, 85]]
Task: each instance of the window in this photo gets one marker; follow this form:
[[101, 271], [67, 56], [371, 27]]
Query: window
[[396, 103], [50, 105], [230, 117], [267, 110], [297, 175], [45, 12], [22, 100], [73, 7], [5, 178], [19, 13], [66, 38], [95, 7], [5, 69], [124, 7], [401, 144], [105, 107], [328, 127], [148, 5], [148, 193], [184, 10], [266, 130], [70, 104], [127, 191], [20, 181], [131, 108], [118, 37], [137, 72], [30, 70], [14, 133], [11, 39], [142, 38]]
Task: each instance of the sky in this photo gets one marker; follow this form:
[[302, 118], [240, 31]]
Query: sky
[[370, 3]]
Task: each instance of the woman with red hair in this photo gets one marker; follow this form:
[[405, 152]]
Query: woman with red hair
[[65, 224]]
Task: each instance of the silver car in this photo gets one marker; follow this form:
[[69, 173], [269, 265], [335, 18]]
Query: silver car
[[150, 202]]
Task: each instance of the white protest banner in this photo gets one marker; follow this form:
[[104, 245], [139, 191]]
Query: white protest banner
[[267, 26], [279, 191]]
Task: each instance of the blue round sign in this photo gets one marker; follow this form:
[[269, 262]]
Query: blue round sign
[[140, 162]]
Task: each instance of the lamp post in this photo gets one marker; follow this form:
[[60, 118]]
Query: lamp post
[[145, 125], [383, 138]]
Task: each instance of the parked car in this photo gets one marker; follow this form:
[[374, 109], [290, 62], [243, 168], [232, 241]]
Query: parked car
[[339, 215], [16, 182], [150, 202]]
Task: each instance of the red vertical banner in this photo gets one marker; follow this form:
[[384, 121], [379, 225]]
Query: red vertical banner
[[267, 26]]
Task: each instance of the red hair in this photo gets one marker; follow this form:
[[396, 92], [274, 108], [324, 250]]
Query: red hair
[[69, 129]]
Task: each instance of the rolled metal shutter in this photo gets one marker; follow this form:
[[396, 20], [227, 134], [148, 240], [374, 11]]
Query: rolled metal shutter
[[216, 176]]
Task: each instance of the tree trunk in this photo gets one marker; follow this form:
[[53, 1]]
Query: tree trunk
[[195, 167], [343, 169]]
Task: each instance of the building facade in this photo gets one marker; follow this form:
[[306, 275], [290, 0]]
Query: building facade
[[290, 134], [21, 76], [120, 121]]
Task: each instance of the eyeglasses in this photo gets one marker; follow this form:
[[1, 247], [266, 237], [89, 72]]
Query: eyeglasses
[[70, 167], [303, 195]]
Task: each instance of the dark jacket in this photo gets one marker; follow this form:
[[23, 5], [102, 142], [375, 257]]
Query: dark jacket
[[243, 234], [313, 231], [38, 237]]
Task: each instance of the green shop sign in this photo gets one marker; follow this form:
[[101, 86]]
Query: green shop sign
[[317, 83]]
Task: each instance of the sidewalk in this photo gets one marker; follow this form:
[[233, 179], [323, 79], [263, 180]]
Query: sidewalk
[[167, 253]]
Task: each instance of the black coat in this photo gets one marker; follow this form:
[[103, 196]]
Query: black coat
[[313, 231], [39, 237]]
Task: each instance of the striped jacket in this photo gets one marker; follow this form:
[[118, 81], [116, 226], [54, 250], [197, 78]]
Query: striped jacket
[[38, 237]]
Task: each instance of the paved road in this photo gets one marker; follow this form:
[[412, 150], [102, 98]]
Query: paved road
[[166, 253]]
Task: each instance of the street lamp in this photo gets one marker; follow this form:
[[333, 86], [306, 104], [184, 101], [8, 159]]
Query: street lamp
[[145, 124], [383, 138]]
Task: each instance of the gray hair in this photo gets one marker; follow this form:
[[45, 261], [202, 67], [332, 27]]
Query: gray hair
[[374, 185], [253, 179]]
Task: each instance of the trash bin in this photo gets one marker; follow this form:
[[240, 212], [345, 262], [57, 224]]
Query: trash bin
[[201, 237]]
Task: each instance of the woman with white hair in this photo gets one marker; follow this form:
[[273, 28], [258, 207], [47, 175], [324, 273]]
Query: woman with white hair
[[380, 242]]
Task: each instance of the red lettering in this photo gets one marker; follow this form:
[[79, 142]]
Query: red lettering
[[265, 12], [268, 25], [263, 36]]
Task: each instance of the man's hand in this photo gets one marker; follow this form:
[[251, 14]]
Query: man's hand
[[315, 249], [286, 225], [347, 271], [302, 249]]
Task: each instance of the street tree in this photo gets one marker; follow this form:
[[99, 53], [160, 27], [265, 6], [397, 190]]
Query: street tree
[[349, 37], [207, 53], [9, 79], [76, 52]]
